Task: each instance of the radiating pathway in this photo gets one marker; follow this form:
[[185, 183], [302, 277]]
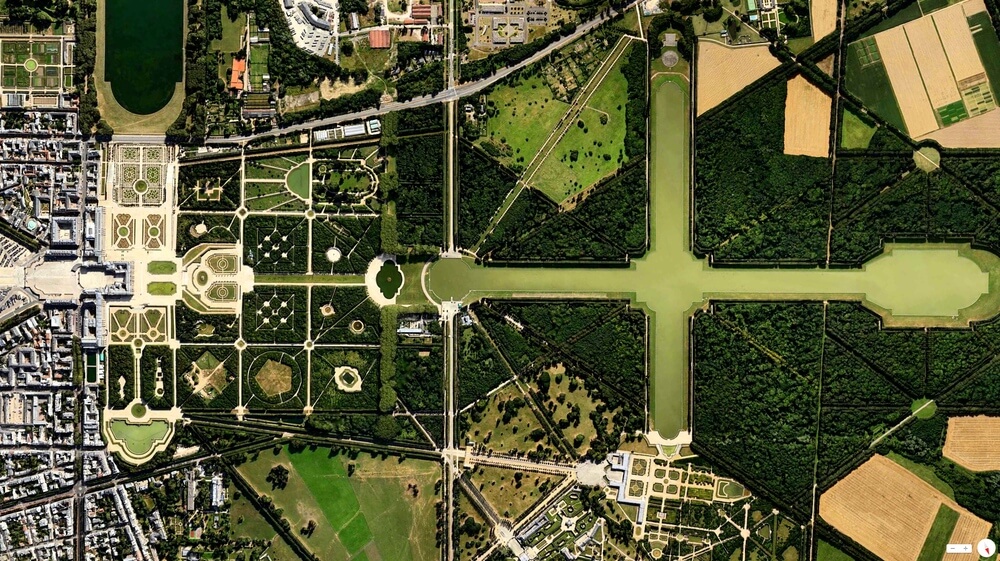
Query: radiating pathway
[[930, 284]]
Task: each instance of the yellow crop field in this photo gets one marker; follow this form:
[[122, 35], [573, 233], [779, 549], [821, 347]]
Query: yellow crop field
[[889, 510], [823, 14], [953, 28], [722, 70], [978, 132], [973, 7], [972, 442], [807, 119], [932, 62], [906, 82]]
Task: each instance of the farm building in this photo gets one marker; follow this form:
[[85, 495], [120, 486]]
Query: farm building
[[379, 39]]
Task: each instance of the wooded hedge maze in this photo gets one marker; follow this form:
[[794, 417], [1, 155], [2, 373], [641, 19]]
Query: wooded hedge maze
[[770, 377]]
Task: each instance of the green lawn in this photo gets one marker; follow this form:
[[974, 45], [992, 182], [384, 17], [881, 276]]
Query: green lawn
[[232, 33], [937, 538], [923, 472], [526, 114], [373, 510], [871, 84], [162, 288], [298, 180], [925, 411], [161, 267], [826, 552], [590, 152], [855, 133]]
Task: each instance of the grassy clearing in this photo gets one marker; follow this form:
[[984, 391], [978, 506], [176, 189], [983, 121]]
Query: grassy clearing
[[826, 552], [232, 33], [923, 408], [509, 497], [855, 133], [526, 112], [593, 147], [385, 508], [412, 293], [988, 47], [513, 436], [937, 538], [923, 472]]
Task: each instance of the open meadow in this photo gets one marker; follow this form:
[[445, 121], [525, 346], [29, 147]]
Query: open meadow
[[365, 507]]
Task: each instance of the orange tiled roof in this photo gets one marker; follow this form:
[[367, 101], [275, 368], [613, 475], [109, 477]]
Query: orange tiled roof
[[379, 38], [239, 69]]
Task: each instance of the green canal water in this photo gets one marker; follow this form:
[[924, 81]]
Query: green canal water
[[144, 52], [930, 284]]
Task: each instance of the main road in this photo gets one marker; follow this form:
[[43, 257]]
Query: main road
[[453, 93]]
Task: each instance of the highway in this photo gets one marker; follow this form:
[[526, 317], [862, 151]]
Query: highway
[[453, 93]]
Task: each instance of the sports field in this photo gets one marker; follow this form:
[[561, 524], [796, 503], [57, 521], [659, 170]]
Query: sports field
[[143, 52], [383, 510]]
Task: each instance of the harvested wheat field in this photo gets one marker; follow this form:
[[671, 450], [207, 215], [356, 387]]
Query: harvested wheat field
[[972, 442], [918, 115], [932, 62], [889, 510], [969, 529], [953, 28], [722, 71], [823, 14], [973, 7], [807, 119], [978, 132]]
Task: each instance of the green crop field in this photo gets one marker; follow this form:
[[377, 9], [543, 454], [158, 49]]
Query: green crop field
[[258, 65], [854, 132], [937, 538], [989, 48], [373, 513], [871, 84], [144, 52], [952, 113], [526, 114], [928, 6], [590, 152]]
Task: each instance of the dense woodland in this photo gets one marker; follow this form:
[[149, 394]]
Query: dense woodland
[[419, 198], [482, 187], [199, 179], [609, 225], [759, 368], [752, 202]]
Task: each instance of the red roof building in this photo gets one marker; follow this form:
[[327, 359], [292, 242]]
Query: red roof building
[[239, 70], [421, 12], [379, 38]]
